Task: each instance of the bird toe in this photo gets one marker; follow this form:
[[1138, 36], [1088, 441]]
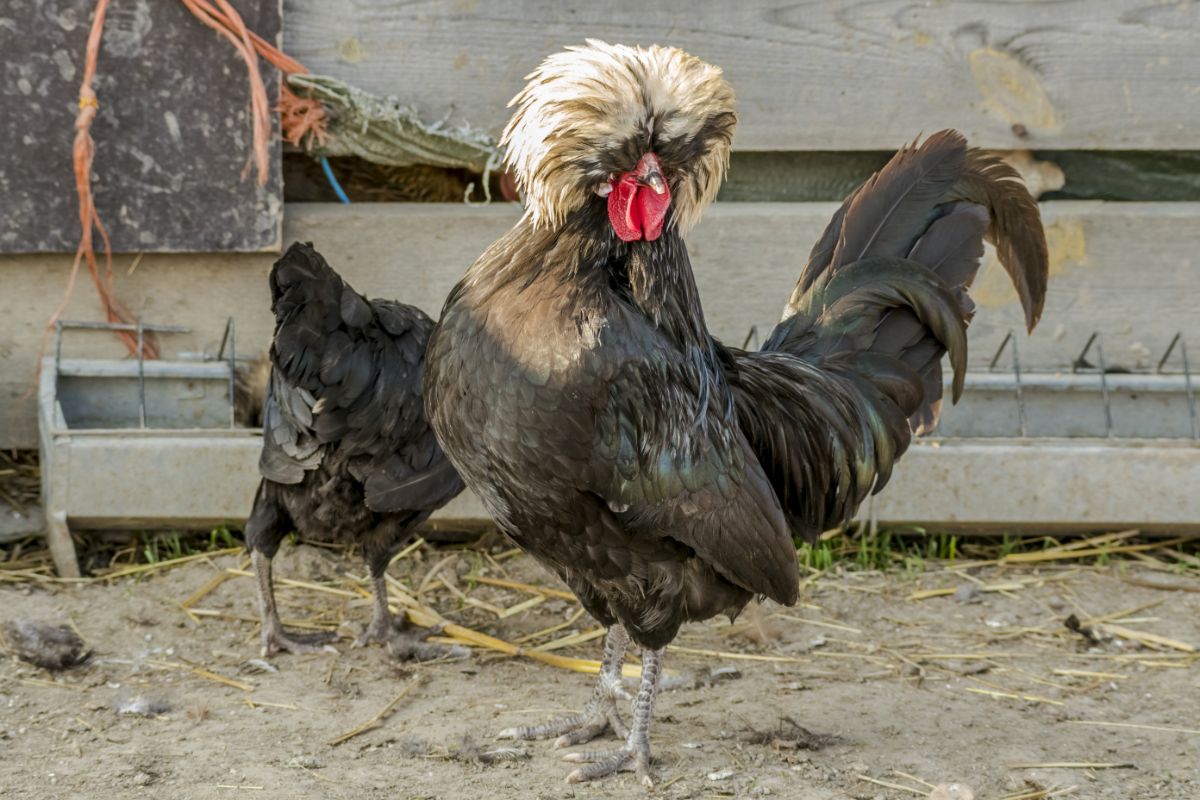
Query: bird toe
[[602, 763]]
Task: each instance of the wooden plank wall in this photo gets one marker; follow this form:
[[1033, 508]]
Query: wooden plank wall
[[853, 75], [856, 75], [746, 256]]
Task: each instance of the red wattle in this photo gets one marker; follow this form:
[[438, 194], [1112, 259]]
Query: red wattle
[[636, 211], [623, 212], [654, 211]]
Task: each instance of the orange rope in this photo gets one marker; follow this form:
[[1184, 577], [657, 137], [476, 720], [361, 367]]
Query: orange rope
[[300, 117], [268, 51], [83, 154], [234, 29]]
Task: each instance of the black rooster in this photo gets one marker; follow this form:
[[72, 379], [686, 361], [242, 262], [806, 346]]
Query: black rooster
[[663, 476], [347, 451]]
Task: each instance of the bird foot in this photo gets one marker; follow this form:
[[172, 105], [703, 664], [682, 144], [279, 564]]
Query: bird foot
[[381, 630], [600, 715], [410, 645], [602, 763], [278, 639], [406, 643]]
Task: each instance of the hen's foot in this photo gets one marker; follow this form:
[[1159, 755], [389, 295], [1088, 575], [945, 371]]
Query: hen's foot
[[599, 716], [602, 763], [409, 644], [406, 643], [403, 642], [381, 630], [635, 753], [278, 639], [274, 636]]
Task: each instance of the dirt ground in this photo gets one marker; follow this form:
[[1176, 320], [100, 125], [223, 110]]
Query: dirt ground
[[963, 687]]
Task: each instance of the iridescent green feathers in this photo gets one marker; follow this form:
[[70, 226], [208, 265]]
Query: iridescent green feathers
[[882, 298]]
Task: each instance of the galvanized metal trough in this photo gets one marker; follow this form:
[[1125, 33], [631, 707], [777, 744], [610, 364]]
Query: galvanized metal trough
[[140, 444], [129, 444]]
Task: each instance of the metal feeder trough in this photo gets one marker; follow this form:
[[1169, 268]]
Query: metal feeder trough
[[1087, 449], [141, 444], [154, 444]]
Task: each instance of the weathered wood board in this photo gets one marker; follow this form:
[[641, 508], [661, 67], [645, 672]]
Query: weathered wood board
[[855, 75], [1044, 483], [971, 485], [1129, 271], [173, 123]]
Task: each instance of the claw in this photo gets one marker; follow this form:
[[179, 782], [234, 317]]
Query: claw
[[411, 646], [600, 715], [275, 641], [583, 734], [601, 763], [635, 753], [403, 642]]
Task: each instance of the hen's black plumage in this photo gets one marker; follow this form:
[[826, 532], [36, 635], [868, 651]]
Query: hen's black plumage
[[347, 451], [574, 384]]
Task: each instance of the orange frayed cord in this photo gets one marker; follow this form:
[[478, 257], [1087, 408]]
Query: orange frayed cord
[[83, 153], [300, 117]]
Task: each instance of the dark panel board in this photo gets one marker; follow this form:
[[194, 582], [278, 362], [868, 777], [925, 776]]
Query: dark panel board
[[1117, 175], [173, 137]]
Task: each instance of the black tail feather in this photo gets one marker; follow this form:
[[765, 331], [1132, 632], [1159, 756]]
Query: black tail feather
[[882, 298], [1015, 229]]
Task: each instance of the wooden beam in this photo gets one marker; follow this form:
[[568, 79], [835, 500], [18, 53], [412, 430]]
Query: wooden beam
[[971, 484], [855, 75], [1064, 484], [1127, 270], [1025, 484]]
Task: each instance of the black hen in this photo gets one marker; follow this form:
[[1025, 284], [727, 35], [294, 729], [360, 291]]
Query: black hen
[[663, 476], [347, 452]]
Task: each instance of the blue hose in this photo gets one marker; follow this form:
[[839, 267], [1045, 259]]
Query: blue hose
[[333, 181]]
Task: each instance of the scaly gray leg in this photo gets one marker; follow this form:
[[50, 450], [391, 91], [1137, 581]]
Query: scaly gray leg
[[274, 637], [382, 627], [599, 714], [635, 754], [404, 643]]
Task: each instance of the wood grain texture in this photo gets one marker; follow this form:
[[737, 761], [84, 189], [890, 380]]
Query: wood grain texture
[[861, 74], [1128, 271], [172, 133], [970, 485], [1082, 485]]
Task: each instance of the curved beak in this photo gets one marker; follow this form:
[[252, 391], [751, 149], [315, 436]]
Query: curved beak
[[649, 173]]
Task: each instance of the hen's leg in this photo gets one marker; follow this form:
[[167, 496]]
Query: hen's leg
[[403, 641], [599, 714], [274, 637], [383, 626], [266, 527], [635, 754]]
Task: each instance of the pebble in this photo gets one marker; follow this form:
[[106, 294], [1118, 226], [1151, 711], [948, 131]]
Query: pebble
[[967, 593], [952, 791], [306, 762]]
